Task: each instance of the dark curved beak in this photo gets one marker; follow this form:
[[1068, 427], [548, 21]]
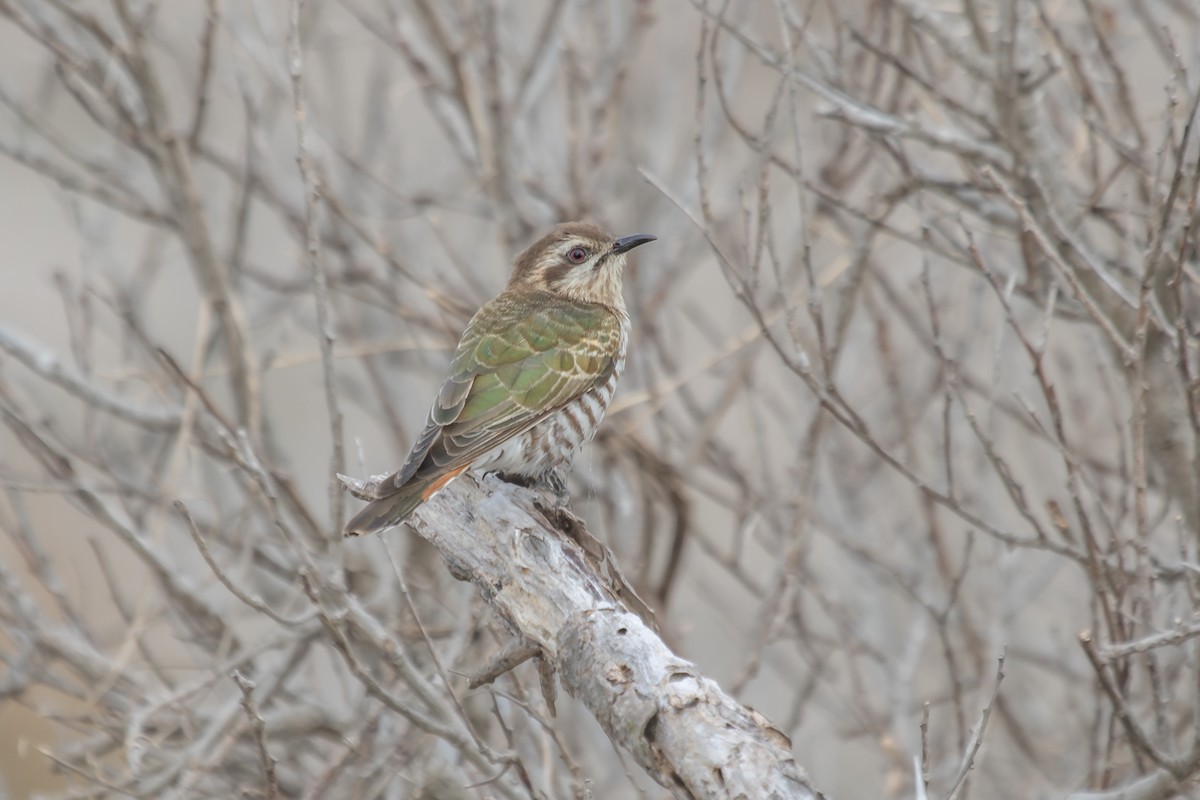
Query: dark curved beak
[[626, 243]]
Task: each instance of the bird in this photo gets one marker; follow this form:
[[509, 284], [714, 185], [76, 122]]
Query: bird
[[531, 377]]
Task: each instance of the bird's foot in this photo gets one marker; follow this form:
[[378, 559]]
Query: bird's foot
[[524, 481], [554, 481]]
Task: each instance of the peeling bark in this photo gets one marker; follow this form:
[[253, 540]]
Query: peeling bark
[[690, 736]]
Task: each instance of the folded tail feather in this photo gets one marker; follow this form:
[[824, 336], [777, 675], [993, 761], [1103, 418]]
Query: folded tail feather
[[386, 512]]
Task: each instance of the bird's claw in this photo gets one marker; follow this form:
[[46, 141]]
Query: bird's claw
[[556, 481]]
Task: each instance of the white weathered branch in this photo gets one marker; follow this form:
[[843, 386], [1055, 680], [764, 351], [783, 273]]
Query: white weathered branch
[[690, 736]]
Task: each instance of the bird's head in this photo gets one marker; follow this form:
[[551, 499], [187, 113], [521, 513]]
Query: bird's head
[[578, 261]]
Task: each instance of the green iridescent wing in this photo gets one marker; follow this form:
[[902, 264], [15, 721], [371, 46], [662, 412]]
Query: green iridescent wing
[[520, 359]]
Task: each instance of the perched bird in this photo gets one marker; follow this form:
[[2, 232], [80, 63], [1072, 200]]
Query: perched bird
[[531, 378]]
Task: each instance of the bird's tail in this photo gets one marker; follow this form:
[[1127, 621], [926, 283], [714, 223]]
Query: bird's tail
[[386, 512]]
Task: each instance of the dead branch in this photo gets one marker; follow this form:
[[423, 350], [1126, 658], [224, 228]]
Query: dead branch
[[678, 725]]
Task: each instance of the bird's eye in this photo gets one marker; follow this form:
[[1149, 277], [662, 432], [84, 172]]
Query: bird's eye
[[577, 255]]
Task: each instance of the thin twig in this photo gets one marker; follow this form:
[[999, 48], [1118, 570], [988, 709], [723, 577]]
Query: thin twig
[[259, 727], [312, 198]]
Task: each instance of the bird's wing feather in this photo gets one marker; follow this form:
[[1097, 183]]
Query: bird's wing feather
[[518, 361]]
